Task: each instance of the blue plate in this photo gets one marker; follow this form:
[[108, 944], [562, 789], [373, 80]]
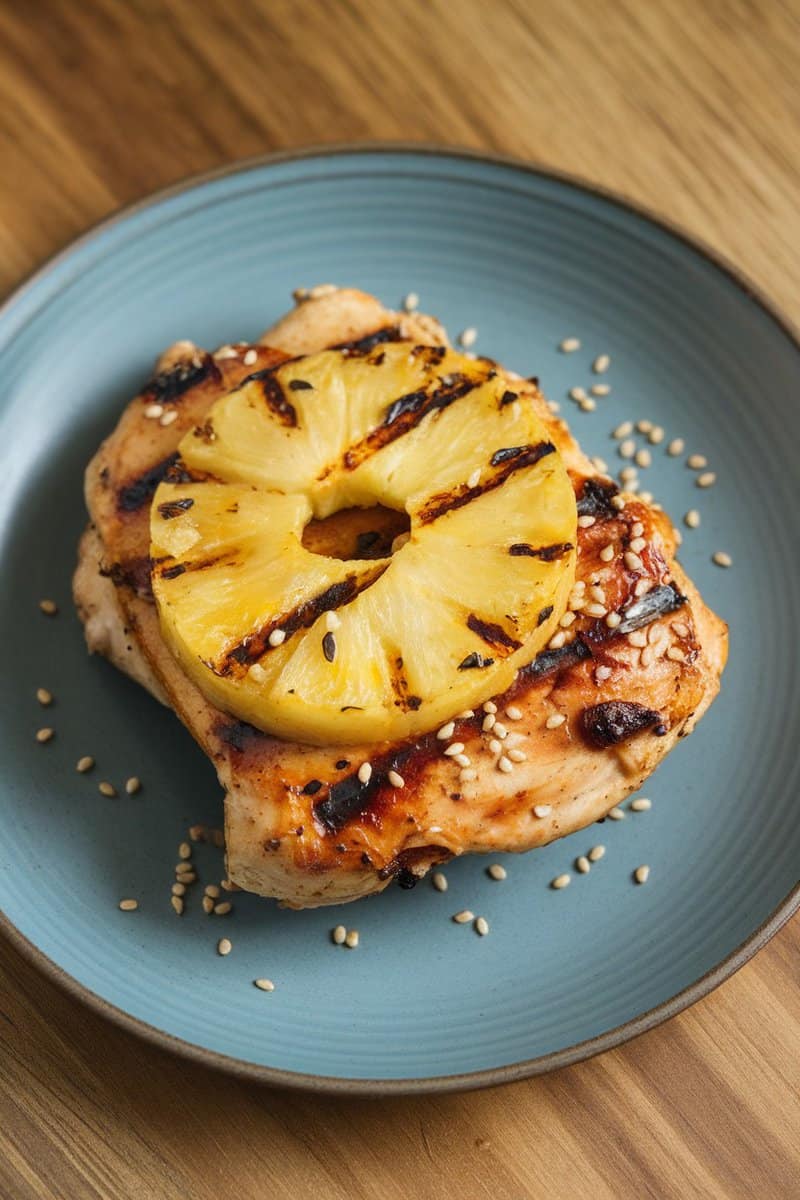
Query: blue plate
[[527, 258]]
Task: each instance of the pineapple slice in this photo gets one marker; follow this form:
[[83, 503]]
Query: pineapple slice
[[324, 650]]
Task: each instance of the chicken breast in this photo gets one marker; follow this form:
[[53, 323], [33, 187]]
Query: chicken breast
[[582, 726]]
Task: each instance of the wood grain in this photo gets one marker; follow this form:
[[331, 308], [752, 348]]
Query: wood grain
[[691, 109]]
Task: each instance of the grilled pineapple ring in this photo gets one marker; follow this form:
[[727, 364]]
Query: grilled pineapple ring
[[324, 651]]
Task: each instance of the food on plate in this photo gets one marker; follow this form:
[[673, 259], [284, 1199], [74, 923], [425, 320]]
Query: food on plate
[[392, 600]]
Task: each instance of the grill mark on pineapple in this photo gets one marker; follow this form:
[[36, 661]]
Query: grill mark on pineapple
[[199, 564], [169, 386], [494, 635], [250, 649], [545, 553], [523, 456], [403, 697], [132, 496], [274, 395]]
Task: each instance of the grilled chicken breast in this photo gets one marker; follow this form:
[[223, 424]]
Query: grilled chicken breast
[[634, 663]]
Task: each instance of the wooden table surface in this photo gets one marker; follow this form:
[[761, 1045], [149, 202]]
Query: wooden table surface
[[691, 108]]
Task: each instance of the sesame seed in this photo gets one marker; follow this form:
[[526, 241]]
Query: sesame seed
[[587, 404], [569, 345], [264, 985], [129, 905], [637, 638], [613, 620], [647, 497], [641, 805], [632, 486], [680, 628], [697, 462], [453, 749], [557, 640], [632, 561], [226, 352], [222, 910], [332, 620], [474, 478], [642, 586], [439, 881], [721, 558], [481, 926], [623, 430], [177, 904], [646, 657], [250, 356], [48, 607], [595, 610], [675, 654], [692, 518], [560, 881], [513, 713], [638, 544], [642, 874], [365, 772], [277, 637], [601, 364], [465, 715], [133, 785], [676, 447], [567, 619], [586, 522], [411, 302], [154, 411], [542, 810], [208, 905], [500, 731], [351, 940], [45, 735], [637, 529], [517, 756], [224, 947], [468, 337], [446, 731], [505, 764], [396, 780], [488, 722], [178, 889], [554, 406], [618, 502], [643, 458], [599, 464], [463, 917], [463, 760], [44, 697], [495, 746], [629, 475], [656, 435], [467, 775], [212, 890], [257, 673], [607, 553], [616, 814], [601, 674], [597, 593], [184, 850], [600, 389], [596, 853], [489, 706], [627, 448], [84, 764], [169, 417], [495, 871], [338, 934], [582, 864], [644, 426], [106, 789], [577, 394], [554, 721]]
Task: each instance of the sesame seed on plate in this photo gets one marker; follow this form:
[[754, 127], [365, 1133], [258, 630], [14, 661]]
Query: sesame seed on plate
[[616, 814], [596, 853], [721, 558], [453, 749], [643, 458], [554, 406], [332, 620], [697, 462], [265, 985], [446, 731], [222, 910], [178, 889], [632, 561], [560, 881], [642, 874], [642, 804], [656, 435], [474, 478], [44, 697], [627, 448], [505, 764], [106, 789], [629, 475], [84, 764], [554, 721], [582, 864], [208, 905], [468, 337], [463, 917], [184, 851], [481, 926], [365, 772], [542, 810], [495, 871], [169, 417], [517, 756], [338, 934], [577, 394], [467, 775], [396, 780], [411, 302], [463, 760], [45, 735], [692, 518], [600, 389], [277, 637], [587, 404], [129, 905], [213, 890], [133, 785], [439, 881], [644, 426], [676, 447], [48, 607], [177, 904], [352, 939], [489, 706], [249, 357], [601, 364], [154, 411], [602, 673], [623, 429], [607, 553], [569, 345], [224, 947]]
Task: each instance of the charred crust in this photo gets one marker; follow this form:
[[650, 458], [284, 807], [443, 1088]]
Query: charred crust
[[132, 496], [168, 386], [615, 721], [594, 498], [239, 735], [389, 333]]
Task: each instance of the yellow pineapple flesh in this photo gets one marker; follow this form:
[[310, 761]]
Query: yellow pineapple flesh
[[326, 650]]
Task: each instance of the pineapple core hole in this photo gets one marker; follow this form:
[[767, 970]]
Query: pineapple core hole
[[356, 533]]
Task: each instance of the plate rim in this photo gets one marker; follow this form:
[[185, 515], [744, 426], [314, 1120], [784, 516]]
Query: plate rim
[[490, 1076]]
